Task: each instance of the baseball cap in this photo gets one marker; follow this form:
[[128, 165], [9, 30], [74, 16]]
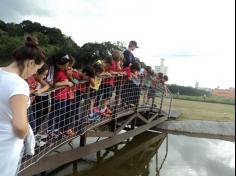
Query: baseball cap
[[133, 43]]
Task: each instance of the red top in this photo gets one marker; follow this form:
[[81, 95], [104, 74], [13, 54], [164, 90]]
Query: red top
[[112, 68], [33, 82], [33, 85], [81, 86], [63, 93], [116, 67], [128, 71]]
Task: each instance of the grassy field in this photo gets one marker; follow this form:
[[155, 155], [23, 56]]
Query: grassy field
[[194, 110], [209, 99]]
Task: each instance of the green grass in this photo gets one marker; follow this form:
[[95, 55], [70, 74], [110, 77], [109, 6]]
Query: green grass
[[194, 110], [210, 99]]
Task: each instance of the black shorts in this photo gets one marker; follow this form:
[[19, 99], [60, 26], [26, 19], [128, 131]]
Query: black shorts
[[152, 91], [94, 93], [145, 88], [107, 91]]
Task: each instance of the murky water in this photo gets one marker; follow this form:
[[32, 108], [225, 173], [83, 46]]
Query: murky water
[[152, 154]]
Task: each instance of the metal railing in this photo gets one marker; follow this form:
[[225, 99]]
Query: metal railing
[[62, 114]]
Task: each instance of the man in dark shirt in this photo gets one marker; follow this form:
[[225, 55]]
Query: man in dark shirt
[[129, 58]]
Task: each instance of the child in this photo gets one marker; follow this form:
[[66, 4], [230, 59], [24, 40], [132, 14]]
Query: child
[[107, 85], [85, 78], [118, 59], [71, 72], [39, 100], [86, 75], [156, 81], [41, 105], [60, 98], [94, 90], [131, 91], [164, 80]]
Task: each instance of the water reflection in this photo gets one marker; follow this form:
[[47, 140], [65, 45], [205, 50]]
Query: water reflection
[[152, 154], [131, 159]]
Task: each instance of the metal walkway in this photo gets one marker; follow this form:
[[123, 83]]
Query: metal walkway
[[124, 123]]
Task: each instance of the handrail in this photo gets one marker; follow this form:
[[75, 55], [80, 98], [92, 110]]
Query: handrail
[[57, 119]]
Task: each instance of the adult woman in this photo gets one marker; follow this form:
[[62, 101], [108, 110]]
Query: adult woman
[[14, 101]]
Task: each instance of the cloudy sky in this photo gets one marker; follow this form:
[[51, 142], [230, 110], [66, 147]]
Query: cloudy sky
[[196, 37]]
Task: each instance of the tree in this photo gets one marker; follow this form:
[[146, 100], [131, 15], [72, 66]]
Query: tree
[[182, 90], [3, 25], [42, 39], [14, 29]]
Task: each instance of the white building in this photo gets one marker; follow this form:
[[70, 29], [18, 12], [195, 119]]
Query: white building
[[197, 85], [162, 68]]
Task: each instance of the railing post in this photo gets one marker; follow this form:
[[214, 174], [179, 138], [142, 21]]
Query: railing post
[[118, 93], [171, 100], [161, 105], [139, 89], [83, 140]]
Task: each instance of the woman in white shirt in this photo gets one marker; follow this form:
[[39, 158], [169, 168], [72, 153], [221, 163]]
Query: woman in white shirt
[[14, 101]]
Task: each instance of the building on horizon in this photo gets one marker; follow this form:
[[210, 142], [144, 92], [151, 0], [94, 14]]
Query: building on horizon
[[162, 68], [197, 85], [223, 92]]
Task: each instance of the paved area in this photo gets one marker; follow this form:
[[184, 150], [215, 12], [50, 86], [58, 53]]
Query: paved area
[[199, 127]]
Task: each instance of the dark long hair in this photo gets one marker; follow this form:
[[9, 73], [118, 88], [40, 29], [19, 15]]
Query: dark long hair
[[29, 51]]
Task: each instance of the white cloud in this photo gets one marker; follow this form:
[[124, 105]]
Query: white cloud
[[201, 28]]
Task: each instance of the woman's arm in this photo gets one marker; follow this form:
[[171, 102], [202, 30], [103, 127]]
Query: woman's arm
[[18, 105]]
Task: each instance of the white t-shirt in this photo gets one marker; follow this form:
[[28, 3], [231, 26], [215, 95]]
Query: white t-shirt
[[10, 145]]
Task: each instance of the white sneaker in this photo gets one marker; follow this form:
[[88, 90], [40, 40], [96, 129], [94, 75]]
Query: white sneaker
[[40, 143]]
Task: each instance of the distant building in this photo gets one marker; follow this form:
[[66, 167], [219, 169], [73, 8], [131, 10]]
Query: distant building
[[223, 92], [197, 85], [162, 68]]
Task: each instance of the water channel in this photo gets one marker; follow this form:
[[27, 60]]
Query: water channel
[[154, 154]]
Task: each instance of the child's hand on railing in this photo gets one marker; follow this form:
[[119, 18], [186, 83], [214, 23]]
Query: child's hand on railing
[[70, 84], [38, 92], [106, 74]]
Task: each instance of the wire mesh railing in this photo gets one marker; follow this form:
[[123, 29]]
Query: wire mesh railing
[[64, 113]]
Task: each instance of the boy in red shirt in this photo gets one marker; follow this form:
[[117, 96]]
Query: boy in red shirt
[[131, 88], [107, 85]]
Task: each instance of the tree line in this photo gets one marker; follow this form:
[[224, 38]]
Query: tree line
[[190, 91], [53, 41]]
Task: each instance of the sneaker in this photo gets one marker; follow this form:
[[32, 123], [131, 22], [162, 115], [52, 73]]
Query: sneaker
[[40, 143], [43, 136], [96, 110], [69, 133], [108, 111], [103, 110], [91, 117]]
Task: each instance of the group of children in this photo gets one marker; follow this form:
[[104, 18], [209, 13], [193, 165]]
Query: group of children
[[93, 84], [153, 82]]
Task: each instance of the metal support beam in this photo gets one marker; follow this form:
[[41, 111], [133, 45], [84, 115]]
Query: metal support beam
[[126, 123], [57, 160]]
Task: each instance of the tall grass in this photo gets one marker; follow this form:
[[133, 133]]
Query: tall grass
[[209, 99]]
